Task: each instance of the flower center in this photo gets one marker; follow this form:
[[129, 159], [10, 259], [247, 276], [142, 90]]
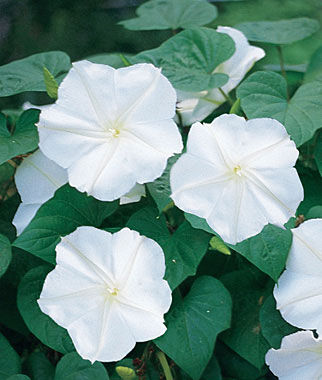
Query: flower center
[[114, 132], [238, 170], [112, 291]]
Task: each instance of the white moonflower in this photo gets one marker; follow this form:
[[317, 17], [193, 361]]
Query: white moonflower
[[37, 179], [238, 175], [108, 291], [298, 293], [111, 128], [299, 358], [134, 195], [196, 106]]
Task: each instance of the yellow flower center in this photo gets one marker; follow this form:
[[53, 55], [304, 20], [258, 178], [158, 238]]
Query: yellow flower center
[[112, 291], [237, 170], [114, 132]]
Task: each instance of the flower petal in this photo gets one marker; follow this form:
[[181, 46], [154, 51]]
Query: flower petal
[[299, 289], [37, 178], [24, 215], [298, 358], [134, 195]]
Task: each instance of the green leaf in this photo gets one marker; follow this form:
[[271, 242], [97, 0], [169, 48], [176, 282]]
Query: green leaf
[[160, 189], [73, 367], [199, 223], [235, 367], [274, 328], [27, 74], [6, 172], [40, 324], [111, 59], [183, 250], [318, 153], [58, 217], [5, 254], [50, 83], [171, 14], [189, 58], [268, 250], [314, 70], [279, 32], [314, 212], [38, 367], [312, 184], [245, 336], [263, 94], [217, 244], [19, 376], [24, 138], [212, 370], [195, 322], [9, 359]]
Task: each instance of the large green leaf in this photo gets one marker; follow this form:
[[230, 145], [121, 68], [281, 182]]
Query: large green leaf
[[245, 335], [27, 74], [61, 215], [314, 70], [194, 324], [160, 188], [171, 14], [40, 324], [24, 137], [5, 254], [73, 367], [9, 359], [38, 367], [274, 328], [318, 152], [279, 32], [111, 59], [189, 58], [183, 250], [263, 94], [268, 250]]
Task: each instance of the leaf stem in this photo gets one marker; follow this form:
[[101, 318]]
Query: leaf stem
[[226, 96], [164, 365], [281, 59]]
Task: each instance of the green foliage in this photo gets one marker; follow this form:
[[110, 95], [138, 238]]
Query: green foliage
[[189, 58], [51, 84], [61, 215], [160, 188], [195, 322], [274, 328], [38, 367], [42, 326], [314, 69], [268, 250], [9, 359], [73, 367], [183, 250], [245, 335], [5, 254], [318, 152], [171, 14], [264, 94], [22, 139], [27, 74], [218, 245], [279, 32]]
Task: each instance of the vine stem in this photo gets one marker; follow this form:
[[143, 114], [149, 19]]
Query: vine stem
[[281, 59], [226, 96], [164, 365]]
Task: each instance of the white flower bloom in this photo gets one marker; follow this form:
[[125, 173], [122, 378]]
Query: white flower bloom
[[108, 291], [238, 175], [134, 195], [37, 179], [196, 106], [111, 128], [299, 358], [298, 293]]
